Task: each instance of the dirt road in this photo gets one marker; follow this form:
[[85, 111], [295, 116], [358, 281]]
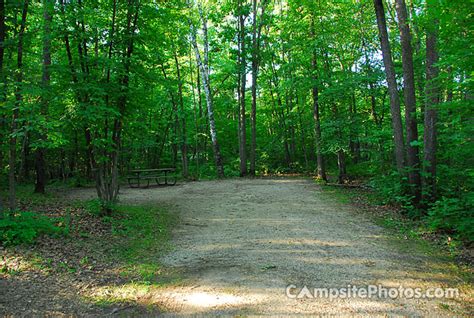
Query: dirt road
[[240, 243]]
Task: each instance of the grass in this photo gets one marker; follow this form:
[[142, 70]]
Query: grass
[[140, 235], [25, 194], [127, 245]]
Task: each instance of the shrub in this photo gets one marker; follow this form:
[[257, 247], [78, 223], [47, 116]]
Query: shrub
[[393, 189], [98, 207], [453, 215], [25, 227]]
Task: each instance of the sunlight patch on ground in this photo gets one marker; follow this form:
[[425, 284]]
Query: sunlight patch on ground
[[189, 299], [127, 292], [204, 299], [171, 298], [11, 264], [304, 241]]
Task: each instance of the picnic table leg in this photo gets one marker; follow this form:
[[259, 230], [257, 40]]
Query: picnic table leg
[[173, 181], [166, 179], [131, 182]]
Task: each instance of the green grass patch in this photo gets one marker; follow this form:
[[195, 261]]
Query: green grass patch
[[26, 195], [140, 236]]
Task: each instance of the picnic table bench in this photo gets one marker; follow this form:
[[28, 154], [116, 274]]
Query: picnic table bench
[[162, 176]]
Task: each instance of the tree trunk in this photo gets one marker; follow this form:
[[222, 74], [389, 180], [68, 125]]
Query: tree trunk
[[3, 32], [2, 77], [303, 132], [40, 163], [354, 143], [197, 118], [16, 110], [341, 164], [107, 176], [449, 88], [203, 64], [392, 86], [253, 112], [432, 99], [24, 169], [321, 170], [81, 96], [242, 114], [413, 160], [175, 113], [184, 146]]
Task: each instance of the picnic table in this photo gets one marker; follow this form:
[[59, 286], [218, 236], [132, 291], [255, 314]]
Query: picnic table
[[162, 176]]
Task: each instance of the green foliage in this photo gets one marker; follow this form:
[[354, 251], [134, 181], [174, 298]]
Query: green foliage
[[98, 207], [304, 45], [93, 207], [392, 189], [25, 227], [453, 215]]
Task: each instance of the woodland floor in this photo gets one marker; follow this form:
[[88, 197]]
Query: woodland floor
[[235, 248]]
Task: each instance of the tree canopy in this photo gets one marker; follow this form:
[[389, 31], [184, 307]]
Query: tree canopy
[[371, 90]]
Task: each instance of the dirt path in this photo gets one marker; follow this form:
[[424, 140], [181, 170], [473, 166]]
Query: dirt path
[[240, 243]]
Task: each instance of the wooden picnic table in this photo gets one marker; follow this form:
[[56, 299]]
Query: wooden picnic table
[[139, 175]]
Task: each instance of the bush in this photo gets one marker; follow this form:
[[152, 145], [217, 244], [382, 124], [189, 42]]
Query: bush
[[98, 207], [453, 215], [393, 190], [25, 227]]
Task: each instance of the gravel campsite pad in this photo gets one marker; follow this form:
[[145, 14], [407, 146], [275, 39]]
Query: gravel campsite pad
[[239, 244]]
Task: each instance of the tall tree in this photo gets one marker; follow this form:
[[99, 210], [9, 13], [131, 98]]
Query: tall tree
[[432, 92], [413, 159], [321, 170], [3, 32], [392, 85], [40, 163], [2, 80], [257, 25], [203, 63], [107, 174], [242, 81], [184, 146], [16, 110]]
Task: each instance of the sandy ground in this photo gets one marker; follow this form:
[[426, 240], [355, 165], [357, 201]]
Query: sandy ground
[[240, 243]]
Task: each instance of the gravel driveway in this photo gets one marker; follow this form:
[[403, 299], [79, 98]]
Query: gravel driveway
[[241, 243]]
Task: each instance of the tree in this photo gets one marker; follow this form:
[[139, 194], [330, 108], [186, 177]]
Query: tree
[[413, 159], [257, 25], [392, 85], [184, 146], [203, 63], [107, 177], [103, 87], [242, 86], [16, 110], [3, 32], [2, 77], [40, 164], [432, 100], [321, 170]]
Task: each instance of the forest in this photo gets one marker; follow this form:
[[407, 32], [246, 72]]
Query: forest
[[371, 95], [347, 90]]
